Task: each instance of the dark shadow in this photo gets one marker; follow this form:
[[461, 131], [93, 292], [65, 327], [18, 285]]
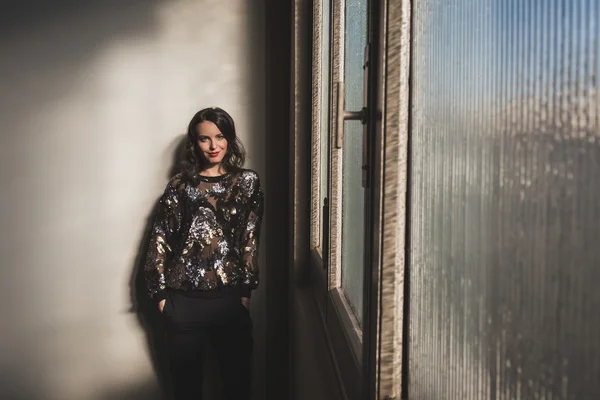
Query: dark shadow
[[303, 277], [278, 197], [255, 54], [146, 309], [33, 15], [138, 392]]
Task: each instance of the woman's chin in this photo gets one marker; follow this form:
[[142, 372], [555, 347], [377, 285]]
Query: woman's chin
[[211, 163]]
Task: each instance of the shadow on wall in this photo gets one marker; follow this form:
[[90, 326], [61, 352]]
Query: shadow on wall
[[146, 309], [150, 319]]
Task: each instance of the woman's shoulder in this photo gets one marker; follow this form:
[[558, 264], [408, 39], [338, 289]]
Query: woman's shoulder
[[177, 182], [248, 180], [248, 174]]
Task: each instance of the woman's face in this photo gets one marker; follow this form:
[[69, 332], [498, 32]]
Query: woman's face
[[211, 142]]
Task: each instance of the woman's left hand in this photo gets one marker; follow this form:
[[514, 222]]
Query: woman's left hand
[[246, 302]]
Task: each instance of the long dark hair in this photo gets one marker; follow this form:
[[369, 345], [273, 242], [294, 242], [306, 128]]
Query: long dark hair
[[193, 162]]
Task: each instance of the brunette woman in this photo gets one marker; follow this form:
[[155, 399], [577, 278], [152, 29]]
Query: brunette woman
[[202, 263]]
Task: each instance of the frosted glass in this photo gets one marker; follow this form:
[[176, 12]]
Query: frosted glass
[[504, 261], [353, 229]]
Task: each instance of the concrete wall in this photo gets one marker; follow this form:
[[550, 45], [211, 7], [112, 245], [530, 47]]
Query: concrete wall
[[94, 99]]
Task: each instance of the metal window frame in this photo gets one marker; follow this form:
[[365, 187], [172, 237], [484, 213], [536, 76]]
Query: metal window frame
[[342, 329], [390, 202], [317, 87], [393, 285]]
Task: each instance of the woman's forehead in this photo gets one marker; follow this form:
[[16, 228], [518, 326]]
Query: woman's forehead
[[207, 128]]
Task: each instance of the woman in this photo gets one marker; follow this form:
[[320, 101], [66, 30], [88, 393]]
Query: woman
[[202, 262]]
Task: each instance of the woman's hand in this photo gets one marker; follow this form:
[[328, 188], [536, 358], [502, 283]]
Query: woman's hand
[[161, 305], [246, 302]]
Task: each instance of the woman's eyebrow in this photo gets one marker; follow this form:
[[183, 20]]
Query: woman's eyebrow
[[216, 134]]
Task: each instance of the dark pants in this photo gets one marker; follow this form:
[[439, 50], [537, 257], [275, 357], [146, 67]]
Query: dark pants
[[195, 323]]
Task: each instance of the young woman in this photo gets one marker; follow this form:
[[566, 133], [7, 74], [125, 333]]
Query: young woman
[[202, 262]]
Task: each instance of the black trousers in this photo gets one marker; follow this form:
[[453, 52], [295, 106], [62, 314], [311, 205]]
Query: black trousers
[[195, 323]]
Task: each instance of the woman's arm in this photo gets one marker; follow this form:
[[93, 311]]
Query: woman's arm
[[250, 236], [166, 225]]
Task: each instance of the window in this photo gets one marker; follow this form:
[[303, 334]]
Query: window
[[338, 232]]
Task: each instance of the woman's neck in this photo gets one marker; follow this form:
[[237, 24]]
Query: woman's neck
[[213, 170]]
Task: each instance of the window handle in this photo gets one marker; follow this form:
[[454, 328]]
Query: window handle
[[345, 116]]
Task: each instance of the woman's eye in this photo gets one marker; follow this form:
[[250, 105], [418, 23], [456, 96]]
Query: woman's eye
[[203, 139], [220, 137]]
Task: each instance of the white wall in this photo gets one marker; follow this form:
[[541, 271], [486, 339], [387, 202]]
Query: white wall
[[93, 101]]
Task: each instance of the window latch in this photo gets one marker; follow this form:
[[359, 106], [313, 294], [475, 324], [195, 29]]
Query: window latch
[[343, 115]]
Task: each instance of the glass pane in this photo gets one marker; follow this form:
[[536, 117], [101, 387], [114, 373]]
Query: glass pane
[[504, 206], [353, 230], [325, 95]]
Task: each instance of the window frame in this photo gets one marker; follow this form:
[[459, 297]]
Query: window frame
[[341, 324], [388, 336]]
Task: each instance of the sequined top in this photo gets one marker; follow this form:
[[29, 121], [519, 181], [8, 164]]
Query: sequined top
[[206, 236]]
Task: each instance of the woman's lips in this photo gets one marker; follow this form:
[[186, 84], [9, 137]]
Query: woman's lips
[[213, 154]]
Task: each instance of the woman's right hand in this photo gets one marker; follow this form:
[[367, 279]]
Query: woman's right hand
[[161, 305]]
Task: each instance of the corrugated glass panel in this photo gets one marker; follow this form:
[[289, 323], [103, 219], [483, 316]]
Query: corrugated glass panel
[[505, 200]]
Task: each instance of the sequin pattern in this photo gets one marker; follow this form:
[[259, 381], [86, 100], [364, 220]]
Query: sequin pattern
[[206, 236]]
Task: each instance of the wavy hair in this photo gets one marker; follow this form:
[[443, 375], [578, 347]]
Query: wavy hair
[[193, 162]]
